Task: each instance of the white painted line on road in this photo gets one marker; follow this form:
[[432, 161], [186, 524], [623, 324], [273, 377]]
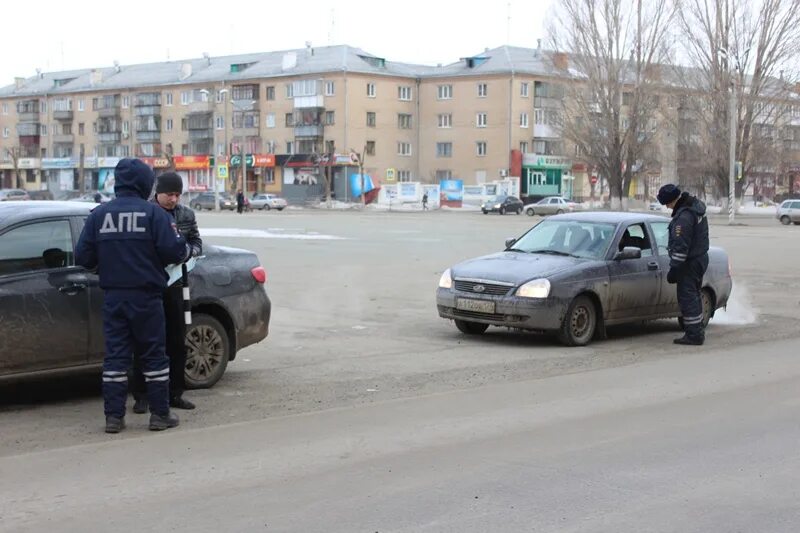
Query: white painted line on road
[[262, 234]]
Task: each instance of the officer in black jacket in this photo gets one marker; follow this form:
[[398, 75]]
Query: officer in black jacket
[[130, 241], [169, 187], [688, 253]]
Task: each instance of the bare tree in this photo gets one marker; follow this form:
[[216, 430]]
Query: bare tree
[[746, 47], [14, 152], [614, 49]]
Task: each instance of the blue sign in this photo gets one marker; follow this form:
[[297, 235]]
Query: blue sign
[[355, 184], [452, 192]]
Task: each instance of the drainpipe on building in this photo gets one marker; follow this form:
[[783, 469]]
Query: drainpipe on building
[[417, 170], [346, 110]]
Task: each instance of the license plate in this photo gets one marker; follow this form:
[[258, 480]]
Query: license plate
[[479, 306]]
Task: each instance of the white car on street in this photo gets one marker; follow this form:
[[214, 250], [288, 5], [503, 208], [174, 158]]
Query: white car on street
[[267, 202]]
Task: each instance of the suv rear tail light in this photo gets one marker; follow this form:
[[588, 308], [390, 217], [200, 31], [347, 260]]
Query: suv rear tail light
[[259, 274]]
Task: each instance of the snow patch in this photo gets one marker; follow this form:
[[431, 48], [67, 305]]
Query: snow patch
[[262, 234]]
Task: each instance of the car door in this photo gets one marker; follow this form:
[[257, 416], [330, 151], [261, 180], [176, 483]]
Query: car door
[[794, 212], [44, 305], [634, 284], [668, 299], [96, 340]]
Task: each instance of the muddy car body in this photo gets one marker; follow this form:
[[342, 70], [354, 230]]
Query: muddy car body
[[50, 309], [574, 274]]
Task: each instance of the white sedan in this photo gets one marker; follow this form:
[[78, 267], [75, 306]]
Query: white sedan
[[551, 205], [267, 202]]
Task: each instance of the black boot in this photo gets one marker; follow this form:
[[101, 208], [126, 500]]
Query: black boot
[[140, 405], [160, 423], [178, 402], [114, 424], [689, 341]]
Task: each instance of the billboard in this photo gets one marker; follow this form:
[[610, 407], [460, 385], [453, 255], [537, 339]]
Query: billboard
[[355, 184], [452, 193]]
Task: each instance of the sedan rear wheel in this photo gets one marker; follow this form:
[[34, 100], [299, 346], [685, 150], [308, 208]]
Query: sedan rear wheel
[[560, 212], [197, 207], [579, 323], [530, 212], [708, 308], [207, 351], [471, 328], [785, 220]]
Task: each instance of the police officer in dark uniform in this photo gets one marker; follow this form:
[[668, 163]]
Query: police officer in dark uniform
[[130, 241], [688, 253], [169, 187]]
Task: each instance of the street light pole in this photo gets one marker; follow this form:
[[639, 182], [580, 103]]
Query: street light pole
[[732, 157]]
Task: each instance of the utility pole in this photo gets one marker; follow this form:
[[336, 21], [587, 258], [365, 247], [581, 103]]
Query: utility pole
[[732, 157]]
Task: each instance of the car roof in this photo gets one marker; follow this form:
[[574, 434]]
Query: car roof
[[13, 212], [609, 217]]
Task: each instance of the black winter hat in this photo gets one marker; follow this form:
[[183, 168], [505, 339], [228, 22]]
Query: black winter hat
[[668, 193], [169, 182]]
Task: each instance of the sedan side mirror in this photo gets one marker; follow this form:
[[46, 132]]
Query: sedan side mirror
[[629, 252], [510, 242]]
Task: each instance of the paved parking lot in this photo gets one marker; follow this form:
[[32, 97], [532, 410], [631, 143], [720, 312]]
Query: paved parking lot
[[354, 321]]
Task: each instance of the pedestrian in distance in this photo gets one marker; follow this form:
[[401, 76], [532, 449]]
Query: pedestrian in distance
[[240, 202], [688, 258], [129, 241], [169, 187], [425, 201]]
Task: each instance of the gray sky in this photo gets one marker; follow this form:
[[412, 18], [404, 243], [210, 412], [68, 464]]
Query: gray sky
[[92, 33]]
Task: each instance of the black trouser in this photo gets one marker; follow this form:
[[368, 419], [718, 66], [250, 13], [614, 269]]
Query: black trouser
[[239, 208], [690, 282], [175, 346]]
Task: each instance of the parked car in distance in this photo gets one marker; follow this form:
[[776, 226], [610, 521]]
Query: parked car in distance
[[10, 195], [51, 309], [502, 204], [789, 212], [573, 275], [551, 205], [90, 197], [205, 200], [266, 202]]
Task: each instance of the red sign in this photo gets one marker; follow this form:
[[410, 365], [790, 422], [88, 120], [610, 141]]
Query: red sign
[[191, 162], [265, 160], [593, 179], [156, 162]]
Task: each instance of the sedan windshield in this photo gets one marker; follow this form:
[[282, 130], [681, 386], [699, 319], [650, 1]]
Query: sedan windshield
[[498, 199], [567, 237]]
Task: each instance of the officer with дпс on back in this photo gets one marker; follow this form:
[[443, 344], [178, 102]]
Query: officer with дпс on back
[[688, 258], [130, 241]]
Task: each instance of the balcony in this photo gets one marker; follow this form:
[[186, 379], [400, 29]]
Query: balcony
[[64, 138], [148, 111], [63, 114], [200, 107], [198, 135], [148, 136], [108, 137], [309, 102], [29, 116], [111, 111], [28, 130], [308, 130], [247, 132], [245, 105], [546, 131]]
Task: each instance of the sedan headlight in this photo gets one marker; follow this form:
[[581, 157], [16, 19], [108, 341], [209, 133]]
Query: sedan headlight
[[538, 288], [497, 206], [446, 281]]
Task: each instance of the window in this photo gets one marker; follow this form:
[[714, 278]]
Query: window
[[444, 175], [523, 147], [39, 246], [125, 127], [220, 96], [403, 148], [523, 120], [169, 125], [126, 102], [81, 105], [269, 176], [289, 147], [330, 147], [6, 133], [661, 233], [289, 90], [43, 130], [403, 175], [483, 90], [370, 148], [330, 118], [446, 120], [445, 92], [270, 120], [480, 120], [5, 109], [330, 88], [371, 119], [220, 122], [404, 93], [168, 98], [444, 149], [43, 105], [371, 90], [184, 149], [404, 121], [524, 87], [627, 98], [636, 236], [289, 120], [480, 148], [66, 129], [186, 97], [538, 116]]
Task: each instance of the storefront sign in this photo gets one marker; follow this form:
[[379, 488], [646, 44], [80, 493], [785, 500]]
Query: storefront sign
[[28, 162], [191, 162], [264, 160], [254, 160], [107, 162], [155, 162], [59, 162], [546, 161]]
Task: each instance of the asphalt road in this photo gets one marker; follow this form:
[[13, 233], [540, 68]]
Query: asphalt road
[[363, 411]]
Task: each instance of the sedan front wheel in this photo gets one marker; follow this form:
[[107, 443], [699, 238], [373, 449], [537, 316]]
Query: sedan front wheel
[[207, 351], [580, 322], [471, 328]]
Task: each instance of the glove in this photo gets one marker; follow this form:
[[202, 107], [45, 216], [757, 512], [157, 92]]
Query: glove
[[672, 275]]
